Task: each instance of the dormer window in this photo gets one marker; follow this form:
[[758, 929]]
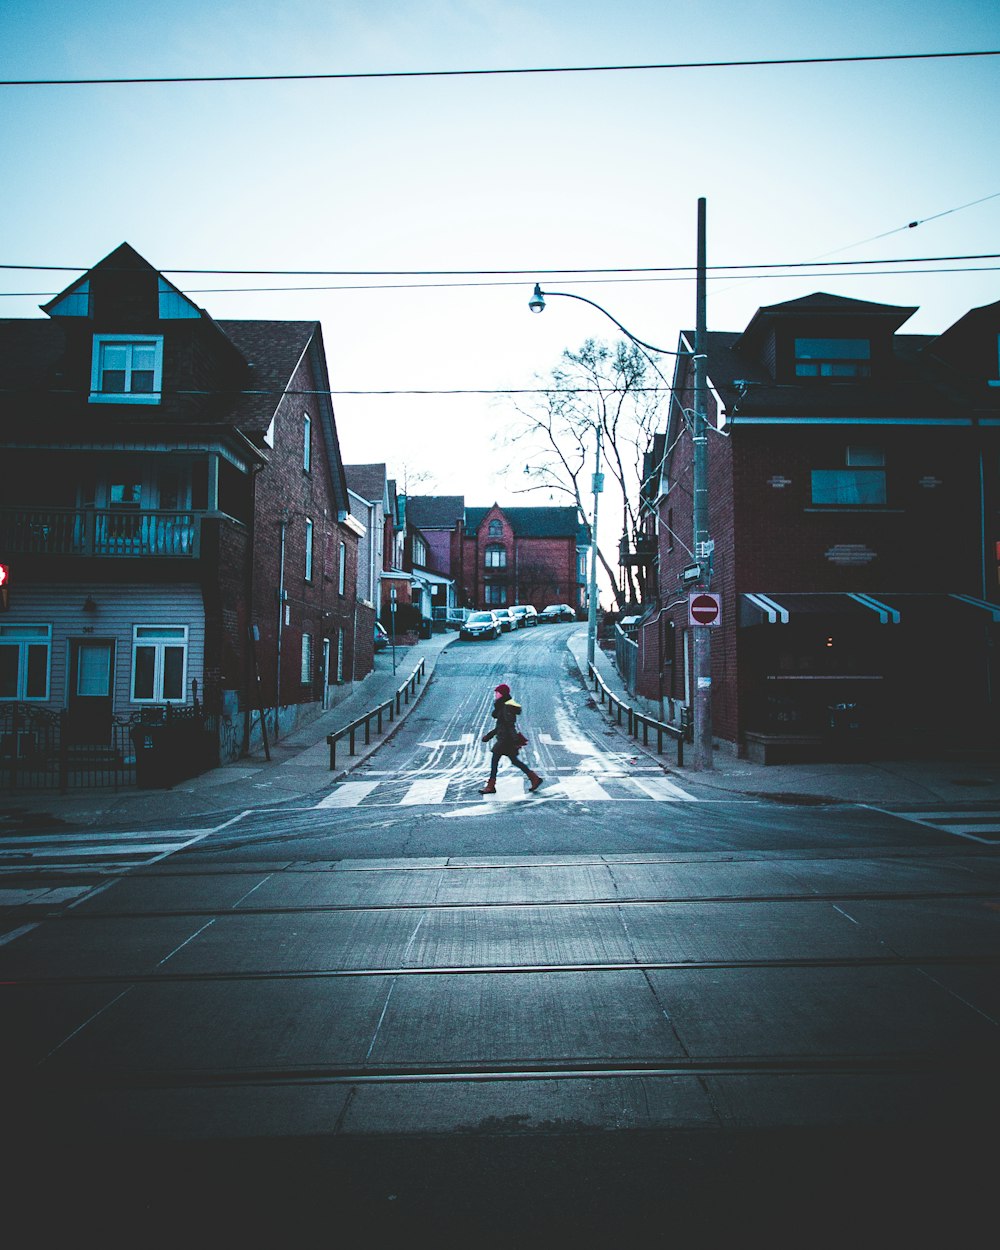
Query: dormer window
[[496, 530], [832, 358], [127, 369]]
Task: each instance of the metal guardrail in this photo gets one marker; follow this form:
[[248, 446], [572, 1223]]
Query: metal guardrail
[[636, 720], [392, 705]]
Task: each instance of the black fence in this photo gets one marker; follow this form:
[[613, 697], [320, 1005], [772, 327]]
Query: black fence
[[154, 747]]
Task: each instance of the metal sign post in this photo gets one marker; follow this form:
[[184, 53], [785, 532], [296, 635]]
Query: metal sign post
[[392, 613]]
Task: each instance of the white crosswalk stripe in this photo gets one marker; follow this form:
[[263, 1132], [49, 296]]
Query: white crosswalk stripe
[[976, 826], [449, 787], [103, 852]]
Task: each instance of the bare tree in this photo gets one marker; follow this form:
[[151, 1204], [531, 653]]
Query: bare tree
[[615, 386]]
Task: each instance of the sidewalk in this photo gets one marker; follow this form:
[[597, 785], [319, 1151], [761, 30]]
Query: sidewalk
[[299, 763], [884, 781]]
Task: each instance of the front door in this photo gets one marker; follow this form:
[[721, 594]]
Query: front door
[[91, 669]]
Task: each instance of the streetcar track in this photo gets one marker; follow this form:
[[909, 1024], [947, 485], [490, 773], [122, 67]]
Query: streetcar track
[[457, 970], [548, 904], [554, 1070]]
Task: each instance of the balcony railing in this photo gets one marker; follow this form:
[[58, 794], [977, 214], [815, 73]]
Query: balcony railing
[[99, 532]]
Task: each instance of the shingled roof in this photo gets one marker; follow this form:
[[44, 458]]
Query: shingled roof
[[367, 480], [528, 522], [435, 512]]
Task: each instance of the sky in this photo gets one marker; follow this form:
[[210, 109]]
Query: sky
[[439, 200]]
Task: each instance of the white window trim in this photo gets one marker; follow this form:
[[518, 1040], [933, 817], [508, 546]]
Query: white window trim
[[306, 443], [180, 640], [22, 639], [342, 572], [310, 529], [97, 396], [305, 671]]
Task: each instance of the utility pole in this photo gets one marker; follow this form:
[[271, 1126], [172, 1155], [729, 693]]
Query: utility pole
[[592, 599], [702, 634]]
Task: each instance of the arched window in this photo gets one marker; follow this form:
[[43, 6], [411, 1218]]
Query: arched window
[[496, 557]]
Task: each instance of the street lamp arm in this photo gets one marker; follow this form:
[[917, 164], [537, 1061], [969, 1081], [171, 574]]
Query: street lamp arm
[[537, 304]]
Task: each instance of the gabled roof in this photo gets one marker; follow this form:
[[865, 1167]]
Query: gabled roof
[[825, 307], [435, 512], [528, 522], [273, 350], [367, 480]]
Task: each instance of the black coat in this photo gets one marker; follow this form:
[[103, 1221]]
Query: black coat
[[506, 733]]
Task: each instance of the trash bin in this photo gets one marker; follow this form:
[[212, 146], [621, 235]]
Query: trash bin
[[426, 627], [152, 758]]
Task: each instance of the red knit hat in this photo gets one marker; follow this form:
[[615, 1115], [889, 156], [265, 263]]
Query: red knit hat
[[502, 689]]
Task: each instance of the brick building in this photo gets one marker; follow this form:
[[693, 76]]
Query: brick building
[[521, 555], [855, 513], [174, 513]]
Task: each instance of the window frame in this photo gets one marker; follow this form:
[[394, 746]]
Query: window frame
[[862, 464], [306, 443], [18, 635], [342, 570], [159, 643], [494, 550], [306, 659], [831, 366], [307, 571], [97, 370]]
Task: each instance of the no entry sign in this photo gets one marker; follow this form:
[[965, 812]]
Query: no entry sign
[[704, 608]]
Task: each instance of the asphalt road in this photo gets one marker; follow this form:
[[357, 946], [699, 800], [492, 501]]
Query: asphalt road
[[620, 1008]]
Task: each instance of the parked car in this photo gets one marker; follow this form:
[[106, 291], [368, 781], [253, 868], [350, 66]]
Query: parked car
[[381, 637], [556, 612], [525, 613], [480, 625], [506, 618]]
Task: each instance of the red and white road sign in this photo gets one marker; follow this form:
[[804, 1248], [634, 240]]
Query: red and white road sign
[[704, 608]]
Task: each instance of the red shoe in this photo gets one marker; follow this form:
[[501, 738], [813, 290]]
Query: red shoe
[[489, 788], [536, 781]]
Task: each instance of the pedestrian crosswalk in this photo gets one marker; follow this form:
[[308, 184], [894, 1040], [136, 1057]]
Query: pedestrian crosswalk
[[974, 824], [96, 852], [447, 788]]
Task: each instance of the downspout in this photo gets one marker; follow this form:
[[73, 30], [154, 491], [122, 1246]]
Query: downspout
[[281, 620]]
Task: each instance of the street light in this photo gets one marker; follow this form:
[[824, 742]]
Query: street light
[[702, 638]]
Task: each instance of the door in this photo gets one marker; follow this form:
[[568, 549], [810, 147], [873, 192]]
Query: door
[[91, 669]]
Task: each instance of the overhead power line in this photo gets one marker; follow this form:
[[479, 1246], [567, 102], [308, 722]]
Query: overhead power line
[[483, 73], [526, 273]]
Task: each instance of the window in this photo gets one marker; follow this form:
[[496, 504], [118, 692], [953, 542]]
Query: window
[[495, 592], [24, 662], [496, 557], [496, 530], [342, 572], [309, 550], [832, 358], [419, 552], [862, 482], [307, 659], [126, 369], [306, 442], [159, 663]]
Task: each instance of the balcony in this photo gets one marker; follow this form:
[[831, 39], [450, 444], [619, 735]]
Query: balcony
[[104, 532]]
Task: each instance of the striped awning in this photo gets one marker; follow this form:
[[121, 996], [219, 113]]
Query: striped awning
[[885, 608]]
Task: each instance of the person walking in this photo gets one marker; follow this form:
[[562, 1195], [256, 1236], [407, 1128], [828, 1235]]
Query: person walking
[[509, 739]]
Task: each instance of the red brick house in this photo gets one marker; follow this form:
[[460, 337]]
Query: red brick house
[[854, 509], [174, 513], [521, 555]]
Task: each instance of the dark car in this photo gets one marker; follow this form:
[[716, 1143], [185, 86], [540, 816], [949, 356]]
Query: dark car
[[480, 625], [556, 612], [381, 637]]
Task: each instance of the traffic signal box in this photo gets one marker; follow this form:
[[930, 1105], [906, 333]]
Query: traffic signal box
[[4, 586]]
